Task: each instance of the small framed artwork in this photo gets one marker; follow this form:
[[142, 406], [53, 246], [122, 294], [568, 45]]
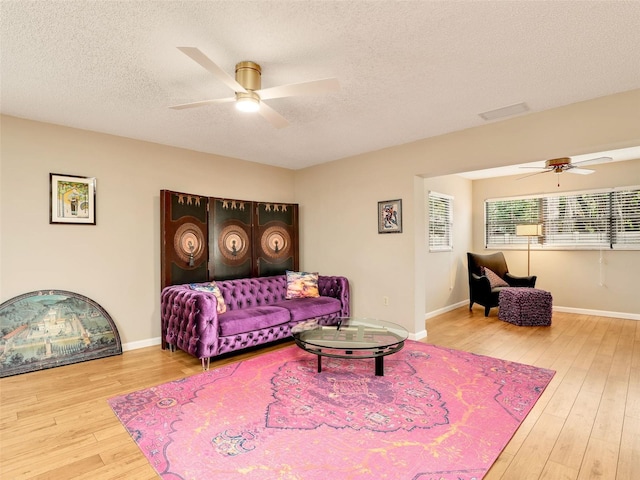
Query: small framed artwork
[[390, 216], [72, 199]]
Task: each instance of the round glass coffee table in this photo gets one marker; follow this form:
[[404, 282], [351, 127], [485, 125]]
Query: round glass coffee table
[[351, 338]]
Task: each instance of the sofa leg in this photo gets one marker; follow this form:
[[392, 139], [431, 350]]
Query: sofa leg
[[205, 363], [470, 305], [486, 311]]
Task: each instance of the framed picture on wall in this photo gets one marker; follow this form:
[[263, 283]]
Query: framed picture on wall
[[72, 199], [390, 216]]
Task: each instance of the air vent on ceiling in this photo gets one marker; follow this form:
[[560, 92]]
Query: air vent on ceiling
[[507, 111]]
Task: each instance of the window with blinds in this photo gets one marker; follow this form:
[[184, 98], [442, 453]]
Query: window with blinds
[[593, 219], [577, 220], [625, 229], [440, 221], [503, 216]]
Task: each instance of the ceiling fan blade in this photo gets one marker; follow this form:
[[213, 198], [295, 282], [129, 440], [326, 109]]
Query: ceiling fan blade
[[314, 87], [594, 160], [202, 103], [536, 173], [272, 116], [206, 63], [579, 171]]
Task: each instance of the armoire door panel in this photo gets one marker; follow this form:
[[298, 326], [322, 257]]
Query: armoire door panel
[[184, 255], [196, 275], [231, 245], [267, 268], [276, 238]]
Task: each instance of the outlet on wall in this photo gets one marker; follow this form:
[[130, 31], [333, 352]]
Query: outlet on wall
[[385, 300]]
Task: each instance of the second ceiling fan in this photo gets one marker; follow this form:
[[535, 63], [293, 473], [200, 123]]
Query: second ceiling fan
[[564, 164], [249, 95]]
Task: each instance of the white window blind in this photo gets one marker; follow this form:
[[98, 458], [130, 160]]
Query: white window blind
[[590, 219], [502, 216], [576, 220], [440, 221], [626, 217]]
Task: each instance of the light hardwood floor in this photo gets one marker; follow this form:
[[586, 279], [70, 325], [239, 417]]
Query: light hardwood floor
[[56, 424]]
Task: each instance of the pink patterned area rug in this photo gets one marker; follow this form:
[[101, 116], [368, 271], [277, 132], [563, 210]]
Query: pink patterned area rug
[[436, 413]]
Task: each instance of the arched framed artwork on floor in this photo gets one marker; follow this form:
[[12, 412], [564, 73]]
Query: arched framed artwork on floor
[[51, 328]]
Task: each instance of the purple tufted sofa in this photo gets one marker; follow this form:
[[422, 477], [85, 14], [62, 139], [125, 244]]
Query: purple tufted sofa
[[257, 313]]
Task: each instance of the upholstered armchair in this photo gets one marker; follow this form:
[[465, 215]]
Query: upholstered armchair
[[484, 288]]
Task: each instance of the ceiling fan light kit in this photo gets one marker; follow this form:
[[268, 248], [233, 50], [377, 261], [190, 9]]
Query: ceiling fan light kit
[[247, 102]]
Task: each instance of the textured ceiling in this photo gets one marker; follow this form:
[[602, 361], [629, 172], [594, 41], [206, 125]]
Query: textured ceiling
[[408, 70]]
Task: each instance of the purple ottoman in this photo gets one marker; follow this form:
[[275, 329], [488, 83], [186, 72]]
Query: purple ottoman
[[525, 306]]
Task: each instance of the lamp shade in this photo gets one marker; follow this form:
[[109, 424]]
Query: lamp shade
[[529, 230]]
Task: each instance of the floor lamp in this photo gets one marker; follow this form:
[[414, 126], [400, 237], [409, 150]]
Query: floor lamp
[[529, 230]]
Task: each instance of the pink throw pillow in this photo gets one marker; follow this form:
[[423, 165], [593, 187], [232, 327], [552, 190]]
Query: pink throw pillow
[[494, 279]]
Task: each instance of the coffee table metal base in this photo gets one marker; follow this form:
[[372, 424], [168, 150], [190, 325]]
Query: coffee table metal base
[[379, 361]]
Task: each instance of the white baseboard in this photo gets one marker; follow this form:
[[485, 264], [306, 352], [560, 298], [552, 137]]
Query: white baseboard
[[599, 313], [141, 344], [580, 311], [446, 309], [418, 336]]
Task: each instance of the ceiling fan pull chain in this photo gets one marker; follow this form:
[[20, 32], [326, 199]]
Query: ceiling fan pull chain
[[601, 270]]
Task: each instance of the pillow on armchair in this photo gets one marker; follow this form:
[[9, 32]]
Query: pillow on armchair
[[494, 278]]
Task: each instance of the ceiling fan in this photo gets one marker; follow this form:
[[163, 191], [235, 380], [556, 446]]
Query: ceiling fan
[[564, 164], [249, 96]]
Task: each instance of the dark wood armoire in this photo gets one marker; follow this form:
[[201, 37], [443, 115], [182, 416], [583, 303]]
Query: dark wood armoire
[[208, 238]]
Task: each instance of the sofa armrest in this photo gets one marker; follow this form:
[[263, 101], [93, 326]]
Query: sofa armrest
[[514, 281], [190, 320], [336, 287]]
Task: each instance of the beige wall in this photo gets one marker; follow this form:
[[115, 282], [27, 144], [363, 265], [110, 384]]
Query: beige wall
[[338, 200], [117, 262], [446, 272], [339, 232]]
